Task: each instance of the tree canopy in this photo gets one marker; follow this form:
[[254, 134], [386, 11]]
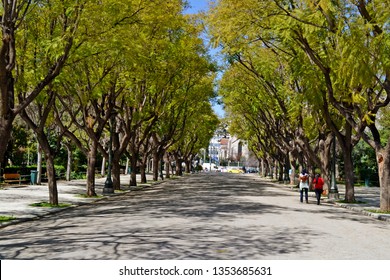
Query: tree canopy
[[323, 67], [85, 69]]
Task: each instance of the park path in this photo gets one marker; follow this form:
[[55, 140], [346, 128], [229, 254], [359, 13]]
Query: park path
[[202, 216]]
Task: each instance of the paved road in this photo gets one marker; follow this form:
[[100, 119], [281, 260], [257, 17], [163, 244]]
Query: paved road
[[202, 216]]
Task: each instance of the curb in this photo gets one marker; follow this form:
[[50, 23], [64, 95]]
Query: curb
[[364, 211], [382, 217], [52, 211]]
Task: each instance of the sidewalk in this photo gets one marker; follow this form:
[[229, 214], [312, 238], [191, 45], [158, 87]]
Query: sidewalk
[[368, 199], [15, 200]]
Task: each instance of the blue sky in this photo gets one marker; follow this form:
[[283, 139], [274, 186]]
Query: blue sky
[[197, 6]]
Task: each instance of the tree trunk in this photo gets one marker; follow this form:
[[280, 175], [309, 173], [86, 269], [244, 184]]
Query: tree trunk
[[51, 180], [143, 173], [133, 173], [383, 160], [91, 170], [5, 135], [325, 149], [7, 91], [167, 168], [280, 171], [116, 173], [178, 161], [188, 168], [275, 165], [50, 169], [143, 168], [155, 166], [69, 162], [263, 168], [347, 147], [293, 161]]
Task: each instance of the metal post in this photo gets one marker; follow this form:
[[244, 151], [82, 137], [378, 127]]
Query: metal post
[[333, 192], [286, 178], [161, 167], [108, 184]]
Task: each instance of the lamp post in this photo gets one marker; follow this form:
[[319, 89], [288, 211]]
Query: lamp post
[[108, 184], [333, 192], [161, 167], [286, 171]]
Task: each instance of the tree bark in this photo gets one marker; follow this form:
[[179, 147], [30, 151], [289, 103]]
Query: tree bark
[[7, 64], [91, 169], [188, 166], [167, 167], [383, 160], [69, 162], [5, 135], [51, 180], [179, 169], [116, 173], [324, 151], [155, 165], [143, 173], [133, 174], [281, 171], [50, 169], [346, 147]]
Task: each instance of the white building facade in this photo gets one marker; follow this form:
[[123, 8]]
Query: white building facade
[[226, 150]]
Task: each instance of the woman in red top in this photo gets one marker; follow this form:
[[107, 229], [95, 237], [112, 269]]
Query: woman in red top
[[318, 183]]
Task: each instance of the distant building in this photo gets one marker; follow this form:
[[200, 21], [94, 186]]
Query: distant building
[[228, 150]]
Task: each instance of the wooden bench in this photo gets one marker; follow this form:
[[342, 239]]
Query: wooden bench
[[15, 178]]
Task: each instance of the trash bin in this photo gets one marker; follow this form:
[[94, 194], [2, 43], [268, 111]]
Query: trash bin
[[33, 177]]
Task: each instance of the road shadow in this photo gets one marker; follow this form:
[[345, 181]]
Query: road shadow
[[198, 217]]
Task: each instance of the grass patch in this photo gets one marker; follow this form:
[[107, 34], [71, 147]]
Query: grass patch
[[6, 218], [120, 191], [49, 205], [354, 202], [377, 211]]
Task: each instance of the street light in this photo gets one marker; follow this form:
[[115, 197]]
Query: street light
[[286, 170], [161, 167], [333, 192], [108, 184]]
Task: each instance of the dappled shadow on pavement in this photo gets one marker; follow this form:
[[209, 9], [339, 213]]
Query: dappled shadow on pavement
[[199, 217]]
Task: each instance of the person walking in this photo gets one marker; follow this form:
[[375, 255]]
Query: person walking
[[304, 185], [318, 184]]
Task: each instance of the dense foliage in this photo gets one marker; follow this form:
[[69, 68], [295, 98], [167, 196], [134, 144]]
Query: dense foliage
[[299, 73], [82, 74]]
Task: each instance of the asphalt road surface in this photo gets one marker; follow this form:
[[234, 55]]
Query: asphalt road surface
[[214, 216]]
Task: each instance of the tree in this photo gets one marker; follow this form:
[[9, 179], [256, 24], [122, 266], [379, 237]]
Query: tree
[[45, 40], [342, 43], [15, 16], [347, 43], [96, 78]]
